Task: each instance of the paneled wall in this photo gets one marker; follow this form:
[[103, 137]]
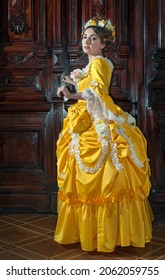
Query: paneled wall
[[154, 93], [39, 41]]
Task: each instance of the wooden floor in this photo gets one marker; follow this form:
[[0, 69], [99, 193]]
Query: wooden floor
[[30, 237]]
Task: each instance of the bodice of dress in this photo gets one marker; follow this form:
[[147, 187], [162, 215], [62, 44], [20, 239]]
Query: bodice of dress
[[97, 77]]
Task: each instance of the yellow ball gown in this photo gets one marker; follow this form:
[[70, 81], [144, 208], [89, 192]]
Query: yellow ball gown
[[103, 170]]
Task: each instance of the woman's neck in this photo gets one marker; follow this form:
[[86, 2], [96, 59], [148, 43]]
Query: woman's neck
[[92, 57]]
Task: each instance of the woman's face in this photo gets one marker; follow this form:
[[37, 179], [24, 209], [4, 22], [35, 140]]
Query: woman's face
[[91, 43]]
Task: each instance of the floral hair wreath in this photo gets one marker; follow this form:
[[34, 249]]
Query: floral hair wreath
[[102, 23]]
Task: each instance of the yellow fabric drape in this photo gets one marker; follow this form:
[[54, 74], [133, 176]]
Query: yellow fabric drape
[[108, 207]]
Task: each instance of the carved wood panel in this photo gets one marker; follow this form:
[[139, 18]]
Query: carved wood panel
[[20, 20], [26, 159], [22, 86], [157, 131]]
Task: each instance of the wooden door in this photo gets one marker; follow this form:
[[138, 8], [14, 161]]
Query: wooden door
[[27, 171], [39, 40]]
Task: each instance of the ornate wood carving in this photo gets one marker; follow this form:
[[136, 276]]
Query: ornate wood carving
[[97, 7], [20, 19], [17, 23], [157, 118], [73, 30], [21, 59], [41, 21], [4, 81]]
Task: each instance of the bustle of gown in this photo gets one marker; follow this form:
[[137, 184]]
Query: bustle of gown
[[103, 170]]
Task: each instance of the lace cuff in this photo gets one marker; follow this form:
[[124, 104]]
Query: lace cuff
[[97, 109], [101, 117]]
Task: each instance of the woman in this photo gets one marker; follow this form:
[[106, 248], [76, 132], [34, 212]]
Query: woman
[[103, 169]]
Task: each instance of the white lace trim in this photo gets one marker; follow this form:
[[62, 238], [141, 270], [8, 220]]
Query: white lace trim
[[131, 146], [78, 74], [103, 132], [74, 149], [114, 157], [98, 111]]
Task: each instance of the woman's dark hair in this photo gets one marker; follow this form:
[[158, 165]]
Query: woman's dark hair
[[106, 35]]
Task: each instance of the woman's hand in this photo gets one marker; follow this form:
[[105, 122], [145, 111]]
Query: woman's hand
[[67, 79], [63, 91]]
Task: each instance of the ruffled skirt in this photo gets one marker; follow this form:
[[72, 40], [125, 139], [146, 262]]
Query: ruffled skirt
[[99, 205]]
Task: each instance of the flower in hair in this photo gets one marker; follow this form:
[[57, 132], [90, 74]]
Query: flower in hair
[[101, 23], [91, 22]]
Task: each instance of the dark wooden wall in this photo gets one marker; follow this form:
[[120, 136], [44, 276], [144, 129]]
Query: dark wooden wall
[[38, 40]]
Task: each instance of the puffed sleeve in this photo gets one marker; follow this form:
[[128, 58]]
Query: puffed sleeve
[[98, 91], [101, 73]]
